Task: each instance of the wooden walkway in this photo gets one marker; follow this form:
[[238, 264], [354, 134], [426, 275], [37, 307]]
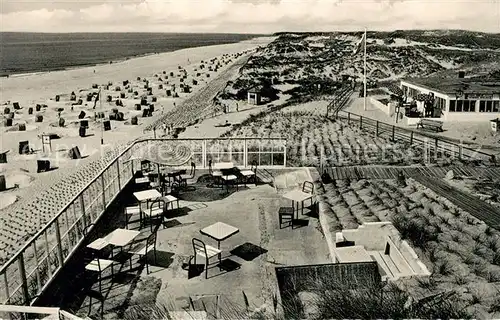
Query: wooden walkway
[[391, 172], [473, 205]]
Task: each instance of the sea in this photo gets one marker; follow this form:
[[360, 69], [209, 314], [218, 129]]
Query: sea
[[22, 52]]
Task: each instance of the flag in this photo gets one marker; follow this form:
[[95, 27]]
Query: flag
[[361, 45], [97, 98]]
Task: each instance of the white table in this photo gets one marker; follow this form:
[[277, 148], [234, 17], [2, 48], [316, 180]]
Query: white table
[[121, 237], [229, 178], [98, 244], [219, 231], [146, 195], [223, 165], [142, 180], [297, 196]]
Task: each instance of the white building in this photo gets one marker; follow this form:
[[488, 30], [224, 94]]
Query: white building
[[459, 99]]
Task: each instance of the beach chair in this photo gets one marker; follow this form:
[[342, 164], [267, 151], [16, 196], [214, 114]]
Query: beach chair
[[143, 247], [206, 251]]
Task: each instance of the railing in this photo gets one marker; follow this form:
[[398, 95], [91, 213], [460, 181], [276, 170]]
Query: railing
[[24, 277], [339, 101], [23, 312], [433, 147]]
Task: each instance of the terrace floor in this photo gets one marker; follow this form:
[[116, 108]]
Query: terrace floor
[[249, 257]]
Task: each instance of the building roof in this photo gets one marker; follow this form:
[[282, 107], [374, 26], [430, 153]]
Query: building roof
[[256, 89], [352, 254], [451, 86]]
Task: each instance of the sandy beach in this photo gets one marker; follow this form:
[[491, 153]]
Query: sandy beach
[[161, 72]]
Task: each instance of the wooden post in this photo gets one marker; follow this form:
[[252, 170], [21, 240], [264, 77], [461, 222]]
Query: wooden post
[[436, 142], [411, 138], [24, 280], [460, 152], [348, 118], [376, 130], [118, 174], [393, 132], [59, 244], [361, 122], [103, 192]]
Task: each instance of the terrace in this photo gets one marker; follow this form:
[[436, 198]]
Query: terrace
[[249, 257]]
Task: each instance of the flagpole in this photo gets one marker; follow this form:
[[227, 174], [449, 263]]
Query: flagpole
[[102, 119], [364, 82]]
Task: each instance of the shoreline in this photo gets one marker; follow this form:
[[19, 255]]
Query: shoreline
[[16, 74], [65, 81]]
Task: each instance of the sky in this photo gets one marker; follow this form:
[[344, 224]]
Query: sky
[[246, 16]]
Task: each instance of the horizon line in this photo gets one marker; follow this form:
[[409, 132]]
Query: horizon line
[[251, 33]]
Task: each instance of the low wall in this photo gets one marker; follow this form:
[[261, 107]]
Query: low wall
[[410, 256], [375, 235], [370, 235], [388, 110]]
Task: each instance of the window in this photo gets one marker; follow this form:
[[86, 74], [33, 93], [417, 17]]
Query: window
[[472, 106], [466, 106], [459, 106], [482, 106], [452, 105], [489, 106], [496, 106]]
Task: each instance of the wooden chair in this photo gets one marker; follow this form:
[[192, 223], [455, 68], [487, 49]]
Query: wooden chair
[[156, 211], [142, 248], [286, 215], [206, 251]]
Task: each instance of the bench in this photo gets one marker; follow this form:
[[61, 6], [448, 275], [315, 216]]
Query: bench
[[437, 125]]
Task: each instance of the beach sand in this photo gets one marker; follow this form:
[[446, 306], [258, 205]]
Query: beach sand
[[24, 184]]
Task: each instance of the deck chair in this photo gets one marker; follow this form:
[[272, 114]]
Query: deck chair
[[142, 248], [206, 251], [181, 179], [308, 187], [156, 211]]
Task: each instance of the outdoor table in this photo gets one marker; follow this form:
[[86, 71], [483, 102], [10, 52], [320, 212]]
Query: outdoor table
[[98, 244], [146, 195], [121, 237], [219, 231], [229, 178], [142, 180], [297, 196], [223, 165]]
